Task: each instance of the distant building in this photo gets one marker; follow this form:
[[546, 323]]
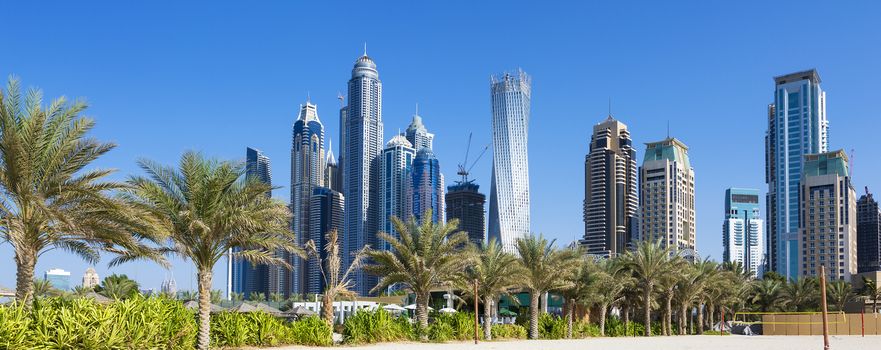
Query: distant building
[[245, 277], [465, 203], [418, 135], [868, 234], [797, 126], [327, 215], [509, 190], [169, 286], [307, 172], [396, 165], [828, 208], [743, 230], [611, 216], [426, 187], [90, 278], [332, 175], [666, 196], [58, 278]]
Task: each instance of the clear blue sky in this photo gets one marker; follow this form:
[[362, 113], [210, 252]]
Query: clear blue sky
[[164, 77]]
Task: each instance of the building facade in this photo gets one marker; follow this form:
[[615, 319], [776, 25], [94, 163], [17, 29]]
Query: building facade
[[798, 127], [868, 234], [396, 168], [509, 189], [828, 220], [90, 278], [465, 203], [611, 199], [426, 188], [361, 137], [307, 172], [58, 278], [666, 197], [418, 135], [327, 215], [743, 234], [245, 277]]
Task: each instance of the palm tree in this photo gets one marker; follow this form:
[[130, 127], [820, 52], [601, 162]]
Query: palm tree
[[276, 298], [206, 208], [871, 290], [839, 293], [423, 258], [81, 291], [237, 297], [690, 288], [256, 297], [768, 295], [607, 288], [495, 272], [580, 289], [649, 262], [337, 283], [668, 284], [117, 287], [708, 271], [49, 199], [545, 269], [42, 288], [801, 293]]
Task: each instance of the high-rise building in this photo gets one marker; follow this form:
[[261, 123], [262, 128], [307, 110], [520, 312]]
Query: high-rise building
[[798, 127], [396, 166], [743, 236], [361, 136], [426, 187], [610, 190], [332, 178], [168, 286], [58, 278], [418, 135], [245, 277], [828, 211], [868, 234], [465, 203], [771, 196], [307, 172], [666, 196], [509, 189], [327, 215], [90, 278]]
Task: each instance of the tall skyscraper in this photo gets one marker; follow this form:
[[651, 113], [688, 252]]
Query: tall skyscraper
[[666, 196], [743, 236], [90, 278], [868, 234], [327, 215], [610, 190], [361, 135], [307, 172], [418, 135], [771, 196], [509, 189], [828, 208], [332, 177], [58, 278], [426, 187], [245, 277], [396, 166], [798, 127], [465, 203]]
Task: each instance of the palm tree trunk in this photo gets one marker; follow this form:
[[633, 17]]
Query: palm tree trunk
[[569, 315], [603, 309], [647, 303], [327, 308], [533, 314], [669, 315], [422, 313], [711, 309], [24, 280], [487, 317], [204, 308], [682, 322], [700, 318], [625, 310]]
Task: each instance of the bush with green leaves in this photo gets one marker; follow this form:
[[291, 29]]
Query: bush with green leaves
[[616, 328], [311, 331], [454, 326], [551, 327], [377, 326], [508, 331], [584, 329]]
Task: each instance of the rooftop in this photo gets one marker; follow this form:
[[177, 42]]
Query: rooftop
[[810, 74]]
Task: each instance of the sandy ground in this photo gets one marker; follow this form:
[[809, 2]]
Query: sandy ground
[[706, 342]]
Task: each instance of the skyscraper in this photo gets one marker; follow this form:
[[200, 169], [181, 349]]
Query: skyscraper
[[327, 215], [798, 127], [509, 189], [361, 136], [90, 278], [771, 196], [828, 208], [743, 230], [868, 234], [244, 277], [426, 186], [465, 203], [666, 196], [396, 166], [307, 172], [332, 177], [610, 190], [418, 135], [58, 279]]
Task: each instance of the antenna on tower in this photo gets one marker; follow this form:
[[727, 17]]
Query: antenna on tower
[[365, 48], [668, 128]]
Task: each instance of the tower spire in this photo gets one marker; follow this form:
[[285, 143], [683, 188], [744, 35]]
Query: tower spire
[[365, 48], [417, 108]]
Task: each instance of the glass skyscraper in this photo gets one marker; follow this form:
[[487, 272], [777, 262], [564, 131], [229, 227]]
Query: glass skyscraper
[[509, 188], [361, 138], [427, 187], [307, 172], [868, 234], [58, 278], [396, 167], [244, 277], [797, 126], [743, 236]]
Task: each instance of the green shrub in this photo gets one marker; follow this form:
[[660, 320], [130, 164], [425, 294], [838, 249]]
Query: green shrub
[[508, 331], [551, 327], [715, 333], [365, 326], [584, 329], [455, 326], [616, 328], [311, 331], [441, 332]]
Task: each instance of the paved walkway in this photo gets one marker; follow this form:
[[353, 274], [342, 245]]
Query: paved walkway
[[704, 342]]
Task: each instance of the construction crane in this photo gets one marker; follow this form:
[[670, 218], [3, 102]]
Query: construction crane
[[464, 168]]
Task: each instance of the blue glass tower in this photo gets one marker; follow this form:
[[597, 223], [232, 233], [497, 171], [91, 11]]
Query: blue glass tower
[[427, 186], [244, 277]]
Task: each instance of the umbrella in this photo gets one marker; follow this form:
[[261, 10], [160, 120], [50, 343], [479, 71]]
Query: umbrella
[[447, 310], [393, 307], [300, 311], [268, 309], [194, 305], [100, 299], [506, 312], [413, 307]]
